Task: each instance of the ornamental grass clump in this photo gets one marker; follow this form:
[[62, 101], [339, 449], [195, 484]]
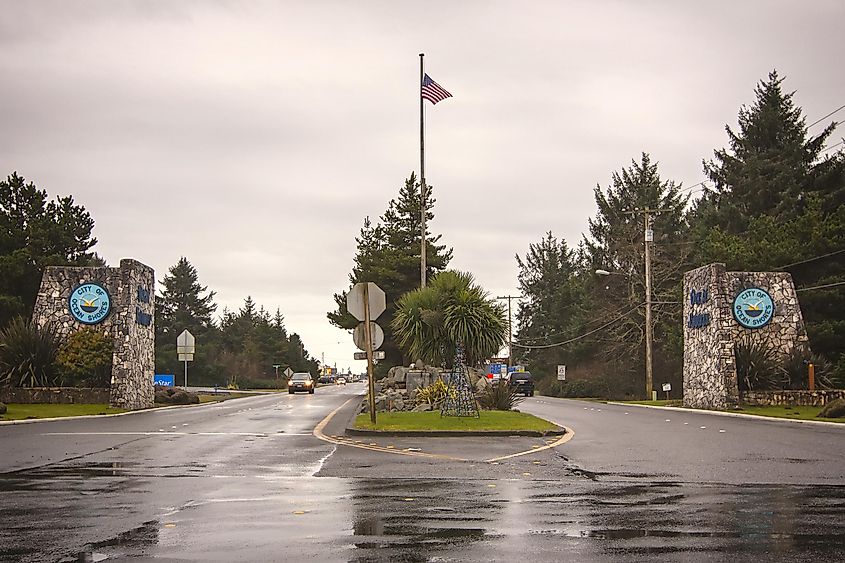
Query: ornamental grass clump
[[434, 394], [28, 354], [499, 396]]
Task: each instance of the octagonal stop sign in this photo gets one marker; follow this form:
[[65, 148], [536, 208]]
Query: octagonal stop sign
[[356, 300]]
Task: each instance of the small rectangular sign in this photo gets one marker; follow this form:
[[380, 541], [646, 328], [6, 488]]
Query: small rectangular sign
[[377, 355], [561, 373], [186, 357], [164, 380], [667, 386]]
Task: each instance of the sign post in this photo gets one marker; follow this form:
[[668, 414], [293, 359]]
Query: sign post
[[185, 348], [366, 301], [667, 387]]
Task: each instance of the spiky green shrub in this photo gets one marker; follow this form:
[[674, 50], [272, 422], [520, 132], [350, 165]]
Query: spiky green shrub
[[85, 359], [28, 355], [499, 396], [452, 310], [757, 369], [796, 370]]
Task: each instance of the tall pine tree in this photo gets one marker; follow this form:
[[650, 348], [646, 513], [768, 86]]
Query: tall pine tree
[[616, 244], [388, 253], [778, 203]]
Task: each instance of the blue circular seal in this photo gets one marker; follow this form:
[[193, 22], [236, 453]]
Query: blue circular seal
[[89, 303], [753, 307]]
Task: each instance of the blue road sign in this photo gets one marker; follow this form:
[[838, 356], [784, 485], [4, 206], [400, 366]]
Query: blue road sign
[[164, 380]]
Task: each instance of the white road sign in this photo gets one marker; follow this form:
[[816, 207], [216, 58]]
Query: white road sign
[[355, 300], [561, 373], [377, 355], [360, 339], [667, 386], [288, 372], [185, 343]]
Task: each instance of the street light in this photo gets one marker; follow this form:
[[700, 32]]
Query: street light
[[649, 334]]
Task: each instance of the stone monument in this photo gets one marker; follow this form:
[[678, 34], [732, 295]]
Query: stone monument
[[119, 301], [722, 308]]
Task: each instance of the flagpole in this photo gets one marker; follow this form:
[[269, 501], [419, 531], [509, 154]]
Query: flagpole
[[422, 181]]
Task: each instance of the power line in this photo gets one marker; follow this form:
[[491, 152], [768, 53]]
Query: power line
[[821, 286], [619, 318], [825, 117], [813, 259], [832, 146]]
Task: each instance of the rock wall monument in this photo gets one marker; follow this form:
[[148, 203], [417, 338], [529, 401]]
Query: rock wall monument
[[723, 308], [119, 301]]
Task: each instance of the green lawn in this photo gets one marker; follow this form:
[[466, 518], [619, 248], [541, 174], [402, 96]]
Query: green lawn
[[19, 411], [432, 421], [799, 413]]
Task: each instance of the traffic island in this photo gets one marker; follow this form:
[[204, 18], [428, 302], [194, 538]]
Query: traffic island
[[489, 423]]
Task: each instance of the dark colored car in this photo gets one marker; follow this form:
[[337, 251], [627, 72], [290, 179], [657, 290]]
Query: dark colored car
[[300, 381], [522, 382]]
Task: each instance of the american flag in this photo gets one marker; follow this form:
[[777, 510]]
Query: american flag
[[432, 91]]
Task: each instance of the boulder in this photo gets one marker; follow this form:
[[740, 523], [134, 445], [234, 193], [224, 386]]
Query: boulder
[[482, 385], [425, 407]]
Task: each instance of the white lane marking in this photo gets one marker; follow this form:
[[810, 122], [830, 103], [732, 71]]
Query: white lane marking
[[162, 433], [319, 464]]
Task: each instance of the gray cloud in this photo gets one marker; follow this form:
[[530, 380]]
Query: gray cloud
[[253, 137]]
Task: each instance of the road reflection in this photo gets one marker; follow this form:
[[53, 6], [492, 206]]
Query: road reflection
[[44, 511]]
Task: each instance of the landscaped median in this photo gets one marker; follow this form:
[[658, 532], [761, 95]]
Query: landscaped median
[[493, 422]]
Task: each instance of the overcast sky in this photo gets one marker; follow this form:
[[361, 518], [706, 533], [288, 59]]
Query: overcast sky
[[254, 137]]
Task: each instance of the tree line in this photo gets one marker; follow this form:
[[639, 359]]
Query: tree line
[[239, 348], [772, 201]]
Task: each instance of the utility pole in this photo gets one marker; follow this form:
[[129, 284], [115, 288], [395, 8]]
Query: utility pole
[[648, 238], [510, 330]]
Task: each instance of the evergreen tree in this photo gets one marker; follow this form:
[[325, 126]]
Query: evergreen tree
[[388, 254], [616, 244], [35, 233], [181, 304], [552, 307], [771, 167], [778, 203]]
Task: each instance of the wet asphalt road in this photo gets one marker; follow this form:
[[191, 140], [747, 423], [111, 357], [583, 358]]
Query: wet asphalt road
[[247, 480]]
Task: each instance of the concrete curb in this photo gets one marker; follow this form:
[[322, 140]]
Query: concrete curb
[[733, 414]]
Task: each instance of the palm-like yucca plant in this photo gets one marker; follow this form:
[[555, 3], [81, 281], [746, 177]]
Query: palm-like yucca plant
[[757, 368], [28, 354], [429, 323]]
